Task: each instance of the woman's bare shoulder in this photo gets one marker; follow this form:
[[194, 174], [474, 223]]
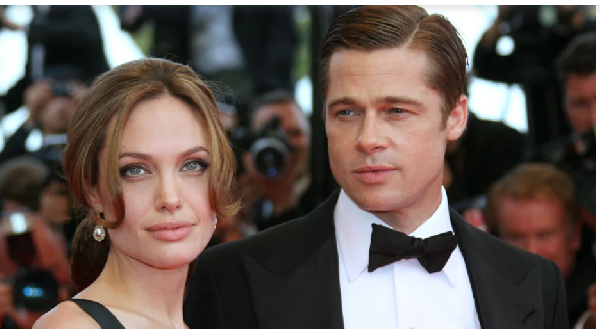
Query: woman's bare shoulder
[[66, 315]]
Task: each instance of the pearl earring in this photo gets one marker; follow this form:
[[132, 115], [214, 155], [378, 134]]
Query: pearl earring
[[99, 232]]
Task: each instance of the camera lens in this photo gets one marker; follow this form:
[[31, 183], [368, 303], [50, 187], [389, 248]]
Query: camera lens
[[35, 289], [269, 156]]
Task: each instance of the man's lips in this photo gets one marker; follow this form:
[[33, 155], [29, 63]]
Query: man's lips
[[374, 168], [374, 174]]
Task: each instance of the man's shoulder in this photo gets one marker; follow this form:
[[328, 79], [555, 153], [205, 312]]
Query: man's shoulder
[[297, 237], [259, 244]]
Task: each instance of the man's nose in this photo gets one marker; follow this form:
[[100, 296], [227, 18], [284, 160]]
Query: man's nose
[[371, 139], [531, 245]]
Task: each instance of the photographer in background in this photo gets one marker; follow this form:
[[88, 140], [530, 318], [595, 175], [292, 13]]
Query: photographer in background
[[59, 35], [538, 34], [575, 153], [277, 194], [51, 101], [239, 225], [250, 49], [34, 267]]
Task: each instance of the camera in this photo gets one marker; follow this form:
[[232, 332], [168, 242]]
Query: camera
[[268, 147], [61, 89], [34, 289]]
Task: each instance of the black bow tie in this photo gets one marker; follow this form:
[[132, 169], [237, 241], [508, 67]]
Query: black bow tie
[[388, 246]]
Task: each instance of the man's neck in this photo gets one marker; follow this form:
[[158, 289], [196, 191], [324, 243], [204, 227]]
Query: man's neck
[[409, 218]]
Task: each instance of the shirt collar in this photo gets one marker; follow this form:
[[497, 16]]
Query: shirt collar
[[352, 225]]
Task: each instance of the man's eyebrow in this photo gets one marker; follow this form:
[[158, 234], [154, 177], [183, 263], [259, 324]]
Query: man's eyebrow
[[143, 156], [342, 101], [385, 99], [400, 100]]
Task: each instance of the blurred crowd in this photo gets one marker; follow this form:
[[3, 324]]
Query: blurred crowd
[[535, 190]]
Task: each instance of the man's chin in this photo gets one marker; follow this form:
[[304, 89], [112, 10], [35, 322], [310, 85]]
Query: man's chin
[[376, 202]]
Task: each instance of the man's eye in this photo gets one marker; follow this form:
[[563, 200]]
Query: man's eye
[[396, 111], [545, 235], [513, 238], [346, 113]]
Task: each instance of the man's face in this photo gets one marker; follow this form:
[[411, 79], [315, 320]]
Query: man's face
[[295, 126], [385, 131], [580, 95], [539, 226]]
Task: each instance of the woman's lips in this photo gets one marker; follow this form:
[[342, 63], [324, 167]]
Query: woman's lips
[[171, 231]]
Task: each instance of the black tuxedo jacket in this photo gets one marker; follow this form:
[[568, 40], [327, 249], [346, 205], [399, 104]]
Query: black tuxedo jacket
[[288, 277]]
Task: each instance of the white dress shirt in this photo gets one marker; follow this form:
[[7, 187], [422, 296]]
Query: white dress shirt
[[402, 294]]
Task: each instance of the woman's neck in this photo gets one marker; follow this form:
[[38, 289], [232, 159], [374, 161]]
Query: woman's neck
[[151, 292]]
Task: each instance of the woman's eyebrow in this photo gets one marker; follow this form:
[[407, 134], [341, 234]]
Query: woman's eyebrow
[[143, 156]]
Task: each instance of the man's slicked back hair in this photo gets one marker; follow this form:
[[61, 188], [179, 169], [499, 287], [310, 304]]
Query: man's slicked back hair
[[372, 28]]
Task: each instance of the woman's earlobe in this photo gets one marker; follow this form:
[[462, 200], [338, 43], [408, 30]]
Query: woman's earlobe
[[93, 198]]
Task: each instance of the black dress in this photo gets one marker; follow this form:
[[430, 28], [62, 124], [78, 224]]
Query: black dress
[[99, 313]]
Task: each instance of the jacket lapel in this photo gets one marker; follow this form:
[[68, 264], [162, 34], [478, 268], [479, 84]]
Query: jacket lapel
[[503, 288], [296, 284]]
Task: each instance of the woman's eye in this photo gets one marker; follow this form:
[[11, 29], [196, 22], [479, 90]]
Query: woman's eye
[[132, 170], [195, 166], [191, 166]]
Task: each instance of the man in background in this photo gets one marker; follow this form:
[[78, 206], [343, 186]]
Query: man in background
[[575, 153], [533, 208]]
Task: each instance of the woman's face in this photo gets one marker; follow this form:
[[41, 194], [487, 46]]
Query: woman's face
[[164, 164]]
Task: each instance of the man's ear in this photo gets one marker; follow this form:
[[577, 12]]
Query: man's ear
[[457, 119]]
